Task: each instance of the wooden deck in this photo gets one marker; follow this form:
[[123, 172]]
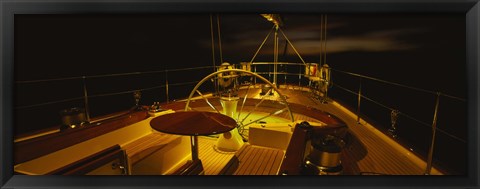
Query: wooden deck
[[213, 160], [255, 160], [370, 151], [147, 145], [248, 160]]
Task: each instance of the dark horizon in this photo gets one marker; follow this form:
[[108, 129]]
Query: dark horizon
[[104, 44]]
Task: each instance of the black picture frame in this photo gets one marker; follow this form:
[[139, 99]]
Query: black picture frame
[[8, 8]]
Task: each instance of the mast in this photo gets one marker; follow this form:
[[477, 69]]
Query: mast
[[277, 21]]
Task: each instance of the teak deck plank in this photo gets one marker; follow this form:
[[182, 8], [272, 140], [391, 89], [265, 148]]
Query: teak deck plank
[[141, 148], [369, 154], [255, 162], [264, 162], [260, 161], [276, 164], [266, 171], [244, 161], [380, 157], [213, 161]]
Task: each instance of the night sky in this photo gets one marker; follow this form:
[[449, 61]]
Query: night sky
[[429, 47]]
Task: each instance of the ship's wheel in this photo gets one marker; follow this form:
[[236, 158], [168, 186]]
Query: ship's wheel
[[241, 106]]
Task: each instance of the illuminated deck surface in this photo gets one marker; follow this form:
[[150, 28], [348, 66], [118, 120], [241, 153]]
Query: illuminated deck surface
[[370, 151]]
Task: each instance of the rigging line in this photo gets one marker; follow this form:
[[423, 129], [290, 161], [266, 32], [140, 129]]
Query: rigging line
[[213, 42], [325, 41], [275, 55], [397, 84], [378, 103], [89, 96], [454, 97], [275, 49], [184, 83], [92, 76], [144, 89], [284, 63], [401, 113], [124, 92], [263, 43], [279, 73], [113, 75], [321, 38], [452, 136], [212, 36], [294, 49], [430, 126], [384, 106], [219, 39], [345, 89], [48, 103], [193, 68], [414, 119], [407, 116], [110, 75], [285, 49], [46, 80]]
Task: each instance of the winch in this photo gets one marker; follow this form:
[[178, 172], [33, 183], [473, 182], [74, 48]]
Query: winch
[[315, 150]]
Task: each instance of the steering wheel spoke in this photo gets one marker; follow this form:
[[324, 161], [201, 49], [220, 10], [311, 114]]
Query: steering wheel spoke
[[243, 103], [208, 102], [231, 107]]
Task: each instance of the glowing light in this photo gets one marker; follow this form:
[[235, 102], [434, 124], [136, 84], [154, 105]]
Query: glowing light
[[275, 18]]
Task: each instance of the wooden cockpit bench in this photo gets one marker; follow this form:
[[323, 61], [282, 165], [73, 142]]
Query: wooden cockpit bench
[[157, 153], [145, 146], [93, 163], [254, 160]]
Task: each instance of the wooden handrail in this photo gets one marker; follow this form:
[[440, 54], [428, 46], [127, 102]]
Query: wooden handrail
[[40, 146], [293, 161], [90, 163], [194, 167]]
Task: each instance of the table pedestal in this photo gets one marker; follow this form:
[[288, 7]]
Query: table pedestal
[[193, 124]]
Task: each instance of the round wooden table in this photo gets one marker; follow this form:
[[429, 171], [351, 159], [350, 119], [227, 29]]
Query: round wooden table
[[193, 123]]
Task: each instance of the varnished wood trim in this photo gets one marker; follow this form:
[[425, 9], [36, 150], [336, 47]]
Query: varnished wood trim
[[194, 167], [293, 161], [232, 165], [323, 116], [92, 162], [147, 145], [40, 146]]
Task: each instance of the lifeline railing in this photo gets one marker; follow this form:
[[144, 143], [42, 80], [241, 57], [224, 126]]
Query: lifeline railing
[[85, 90], [301, 79], [394, 112]]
